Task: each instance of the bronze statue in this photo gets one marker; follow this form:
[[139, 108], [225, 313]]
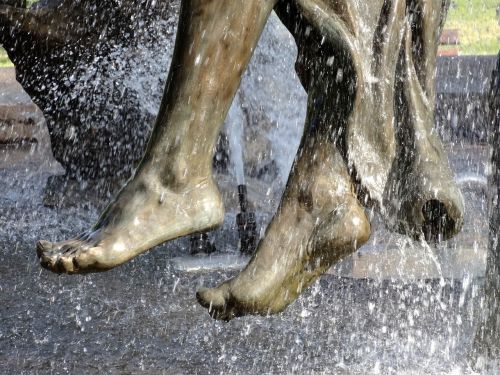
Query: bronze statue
[[368, 68]]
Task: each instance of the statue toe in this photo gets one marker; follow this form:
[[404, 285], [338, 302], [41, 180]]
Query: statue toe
[[42, 247], [211, 298]]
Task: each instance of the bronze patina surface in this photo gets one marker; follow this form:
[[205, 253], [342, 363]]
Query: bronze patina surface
[[368, 68]]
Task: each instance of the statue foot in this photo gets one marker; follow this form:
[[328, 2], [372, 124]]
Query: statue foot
[[319, 222], [143, 215], [288, 262]]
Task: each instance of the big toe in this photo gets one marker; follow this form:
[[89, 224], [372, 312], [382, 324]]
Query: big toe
[[42, 247], [218, 302], [211, 298]]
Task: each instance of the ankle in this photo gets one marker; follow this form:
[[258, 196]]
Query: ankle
[[176, 179]]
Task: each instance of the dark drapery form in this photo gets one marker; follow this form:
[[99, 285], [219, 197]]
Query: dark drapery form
[[382, 56]]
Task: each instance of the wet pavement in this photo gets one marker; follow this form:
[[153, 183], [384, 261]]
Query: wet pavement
[[389, 309], [143, 317]]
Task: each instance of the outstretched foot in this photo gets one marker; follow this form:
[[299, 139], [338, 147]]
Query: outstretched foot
[[319, 222], [145, 214]]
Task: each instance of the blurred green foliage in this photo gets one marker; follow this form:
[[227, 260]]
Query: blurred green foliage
[[478, 26], [4, 59]]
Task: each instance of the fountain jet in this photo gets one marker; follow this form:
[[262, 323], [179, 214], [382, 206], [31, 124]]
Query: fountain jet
[[200, 243], [246, 222]]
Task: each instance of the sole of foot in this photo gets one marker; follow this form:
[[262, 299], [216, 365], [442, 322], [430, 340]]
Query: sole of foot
[[142, 216]]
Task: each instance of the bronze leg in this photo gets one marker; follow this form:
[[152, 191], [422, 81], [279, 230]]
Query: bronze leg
[[172, 193]]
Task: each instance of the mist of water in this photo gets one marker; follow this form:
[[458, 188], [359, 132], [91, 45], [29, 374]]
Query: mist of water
[[234, 130], [403, 323]]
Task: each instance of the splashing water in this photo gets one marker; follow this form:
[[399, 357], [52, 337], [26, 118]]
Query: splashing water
[[143, 316]]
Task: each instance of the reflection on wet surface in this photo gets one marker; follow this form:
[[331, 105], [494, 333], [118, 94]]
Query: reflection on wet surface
[[143, 317]]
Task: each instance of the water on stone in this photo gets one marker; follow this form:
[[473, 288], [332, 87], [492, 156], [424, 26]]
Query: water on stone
[[143, 317]]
